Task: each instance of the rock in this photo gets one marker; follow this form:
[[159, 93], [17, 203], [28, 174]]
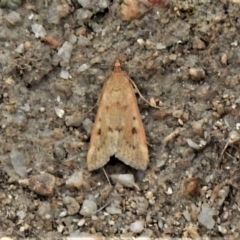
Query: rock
[[88, 208], [75, 181], [142, 205], [13, 18], [198, 43], [59, 112], [59, 152], [42, 184], [64, 74], [197, 74], [65, 53], [136, 227], [21, 214], [82, 14], [71, 204], [83, 42], [44, 210], [87, 125], [74, 120], [83, 68], [17, 160], [113, 210], [19, 119], [127, 180], [205, 216], [38, 30], [11, 4]]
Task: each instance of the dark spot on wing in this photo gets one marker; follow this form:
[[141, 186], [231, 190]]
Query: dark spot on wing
[[99, 131], [118, 129], [134, 130], [134, 118], [110, 129]]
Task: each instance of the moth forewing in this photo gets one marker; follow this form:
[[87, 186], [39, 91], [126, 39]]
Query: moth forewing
[[118, 128]]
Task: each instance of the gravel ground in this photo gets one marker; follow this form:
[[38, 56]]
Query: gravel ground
[[184, 56]]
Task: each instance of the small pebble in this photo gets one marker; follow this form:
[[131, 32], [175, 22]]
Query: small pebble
[[75, 181], [169, 191], [81, 222], [65, 53], [42, 109], [88, 208], [198, 43], [113, 210], [63, 214], [205, 217], [13, 18], [18, 162], [42, 184], [192, 144], [74, 120], [71, 204], [59, 112], [197, 74], [38, 30], [141, 42], [20, 48], [87, 125], [83, 41], [64, 74], [136, 227], [83, 68], [126, 180], [21, 214]]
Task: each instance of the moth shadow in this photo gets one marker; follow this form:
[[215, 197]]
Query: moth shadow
[[115, 166]]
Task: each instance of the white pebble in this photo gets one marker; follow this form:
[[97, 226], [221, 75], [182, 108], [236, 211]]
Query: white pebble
[[13, 17], [88, 208], [60, 228], [59, 112], [141, 42], [127, 180], [63, 213], [42, 109], [81, 222], [75, 180], [113, 210], [136, 227], [38, 30], [169, 191], [83, 68], [64, 74], [20, 48]]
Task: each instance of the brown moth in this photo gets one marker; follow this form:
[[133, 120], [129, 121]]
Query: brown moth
[[118, 128]]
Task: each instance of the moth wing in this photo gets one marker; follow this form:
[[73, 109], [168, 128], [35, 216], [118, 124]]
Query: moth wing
[[132, 145], [103, 142]]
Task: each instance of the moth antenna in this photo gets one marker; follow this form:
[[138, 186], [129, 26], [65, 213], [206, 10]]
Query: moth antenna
[[107, 177], [141, 96]]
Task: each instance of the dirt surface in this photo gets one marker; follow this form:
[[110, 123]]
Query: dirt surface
[[55, 57]]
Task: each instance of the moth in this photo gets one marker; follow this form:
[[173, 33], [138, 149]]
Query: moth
[[118, 128]]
